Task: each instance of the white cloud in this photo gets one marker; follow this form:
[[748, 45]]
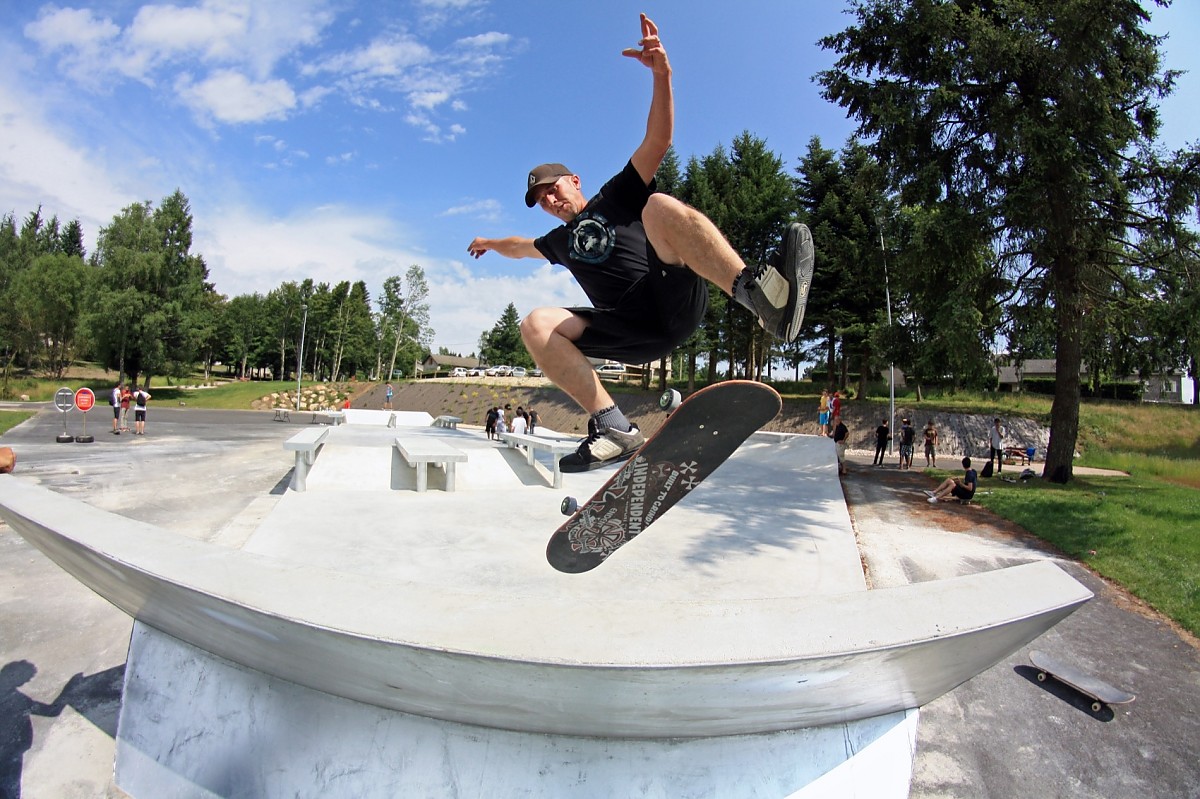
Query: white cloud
[[488, 210], [232, 98], [228, 60], [41, 167], [247, 251]]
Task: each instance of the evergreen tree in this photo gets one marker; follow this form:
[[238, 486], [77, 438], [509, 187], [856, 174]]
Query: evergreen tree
[[1035, 121]]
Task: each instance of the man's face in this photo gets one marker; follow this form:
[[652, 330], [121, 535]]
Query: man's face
[[562, 198]]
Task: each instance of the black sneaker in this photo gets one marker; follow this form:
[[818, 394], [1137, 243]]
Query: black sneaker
[[779, 295], [601, 448]]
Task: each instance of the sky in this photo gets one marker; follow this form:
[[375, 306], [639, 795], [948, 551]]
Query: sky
[[345, 140]]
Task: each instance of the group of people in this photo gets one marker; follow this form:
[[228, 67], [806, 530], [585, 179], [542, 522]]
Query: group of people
[[499, 420], [907, 439], [121, 399]]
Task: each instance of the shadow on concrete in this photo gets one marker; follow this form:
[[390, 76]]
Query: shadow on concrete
[[93, 697]]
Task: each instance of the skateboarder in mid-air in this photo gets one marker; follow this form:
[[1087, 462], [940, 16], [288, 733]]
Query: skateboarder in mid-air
[[642, 259]]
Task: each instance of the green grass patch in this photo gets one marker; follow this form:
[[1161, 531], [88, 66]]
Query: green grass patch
[[1140, 531], [10, 419]]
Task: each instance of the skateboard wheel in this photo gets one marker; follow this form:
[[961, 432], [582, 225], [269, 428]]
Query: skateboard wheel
[[1041, 676], [670, 400], [569, 506], [1096, 707]]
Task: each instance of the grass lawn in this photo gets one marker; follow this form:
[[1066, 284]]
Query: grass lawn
[[1141, 531], [10, 419]]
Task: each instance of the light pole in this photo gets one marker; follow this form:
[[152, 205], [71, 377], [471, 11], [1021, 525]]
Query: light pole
[[300, 352], [887, 293]]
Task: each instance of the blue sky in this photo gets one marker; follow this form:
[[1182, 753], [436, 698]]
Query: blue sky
[[344, 140]]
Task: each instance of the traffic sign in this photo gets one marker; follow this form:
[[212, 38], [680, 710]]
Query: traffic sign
[[84, 399], [64, 399]]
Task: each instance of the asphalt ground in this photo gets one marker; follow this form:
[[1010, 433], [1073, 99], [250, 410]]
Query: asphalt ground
[[212, 474]]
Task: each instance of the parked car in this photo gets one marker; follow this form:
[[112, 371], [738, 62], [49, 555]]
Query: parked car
[[499, 371], [475, 371], [535, 372], [458, 371], [611, 368], [518, 371]]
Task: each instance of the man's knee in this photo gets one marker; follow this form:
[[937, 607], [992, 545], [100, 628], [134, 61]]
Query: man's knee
[[541, 323]]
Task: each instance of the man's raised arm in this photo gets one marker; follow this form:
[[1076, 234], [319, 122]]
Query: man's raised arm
[[660, 126], [511, 247]]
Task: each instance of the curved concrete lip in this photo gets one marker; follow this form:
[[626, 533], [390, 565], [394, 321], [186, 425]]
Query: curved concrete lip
[[577, 662]]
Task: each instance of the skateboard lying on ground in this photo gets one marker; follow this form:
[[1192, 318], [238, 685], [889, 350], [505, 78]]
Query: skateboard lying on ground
[[696, 438], [1095, 689]]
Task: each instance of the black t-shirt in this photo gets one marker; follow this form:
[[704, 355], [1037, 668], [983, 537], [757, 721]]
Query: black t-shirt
[[881, 433], [840, 432], [906, 435], [605, 246]]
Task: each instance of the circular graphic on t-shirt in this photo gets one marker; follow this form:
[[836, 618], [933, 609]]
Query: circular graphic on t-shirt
[[592, 238]]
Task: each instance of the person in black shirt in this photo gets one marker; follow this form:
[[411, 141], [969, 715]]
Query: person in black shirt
[[962, 489], [642, 259], [882, 434]]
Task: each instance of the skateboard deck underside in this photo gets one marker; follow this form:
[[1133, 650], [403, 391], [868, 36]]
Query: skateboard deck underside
[[694, 441]]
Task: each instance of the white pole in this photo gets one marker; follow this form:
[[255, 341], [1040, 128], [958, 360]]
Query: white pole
[[887, 293], [300, 352]]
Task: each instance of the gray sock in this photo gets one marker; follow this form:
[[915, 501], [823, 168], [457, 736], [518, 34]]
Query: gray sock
[[741, 287], [611, 417]]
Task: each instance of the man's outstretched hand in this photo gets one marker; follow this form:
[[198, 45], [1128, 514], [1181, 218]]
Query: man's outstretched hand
[[651, 52]]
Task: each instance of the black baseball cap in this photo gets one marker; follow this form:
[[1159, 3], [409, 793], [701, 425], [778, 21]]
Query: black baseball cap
[[540, 176]]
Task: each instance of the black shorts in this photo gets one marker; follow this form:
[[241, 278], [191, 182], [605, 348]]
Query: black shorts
[[139, 415], [962, 493], [656, 315]]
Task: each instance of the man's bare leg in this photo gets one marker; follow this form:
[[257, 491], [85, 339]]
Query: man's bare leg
[[776, 293], [682, 235], [550, 335]]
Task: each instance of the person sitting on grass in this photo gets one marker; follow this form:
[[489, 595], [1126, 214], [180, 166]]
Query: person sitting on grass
[[962, 489]]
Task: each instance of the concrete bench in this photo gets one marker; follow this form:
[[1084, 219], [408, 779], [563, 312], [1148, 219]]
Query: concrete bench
[[555, 446], [305, 444], [444, 420], [420, 451]]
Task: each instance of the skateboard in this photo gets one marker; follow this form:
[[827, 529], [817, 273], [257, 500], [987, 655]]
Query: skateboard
[[697, 437], [1100, 692]]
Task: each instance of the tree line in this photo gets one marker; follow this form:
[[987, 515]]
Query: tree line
[[142, 305]]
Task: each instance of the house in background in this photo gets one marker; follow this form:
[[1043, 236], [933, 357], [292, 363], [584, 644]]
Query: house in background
[[435, 365], [1173, 386]]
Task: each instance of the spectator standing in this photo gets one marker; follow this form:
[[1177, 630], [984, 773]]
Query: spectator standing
[[115, 401], [823, 412], [931, 442], [534, 419], [489, 422], [140, 398], [520, 422], [126, 397], [840, 435], [388, 391], [908, 435], [882, 434], [997, 442]]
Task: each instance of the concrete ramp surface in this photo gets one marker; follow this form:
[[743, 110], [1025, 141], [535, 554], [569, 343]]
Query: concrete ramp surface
[[742, 611]]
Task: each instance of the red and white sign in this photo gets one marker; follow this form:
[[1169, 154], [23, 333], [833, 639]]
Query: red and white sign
[[85, 399]]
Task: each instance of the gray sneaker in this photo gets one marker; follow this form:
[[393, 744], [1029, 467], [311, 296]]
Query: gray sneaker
[[601, 448], [779, 295]]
